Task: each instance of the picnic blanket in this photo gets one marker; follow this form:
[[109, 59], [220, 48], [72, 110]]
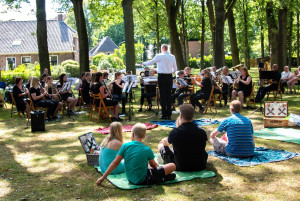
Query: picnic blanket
[[261, 155], [172, 123], [125, 128], [120, 180], [282, 134]]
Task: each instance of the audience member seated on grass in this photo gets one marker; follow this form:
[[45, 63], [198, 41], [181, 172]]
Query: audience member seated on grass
[[188, 140], [273, 85], [204, 92], [85, 88], [244, 83], [98, 88], [20, 96], [38, 99], [109, 148], [239, 132], [285, 77], [137, 157], [294, 79]]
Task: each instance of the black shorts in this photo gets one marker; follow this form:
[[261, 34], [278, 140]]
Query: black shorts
[[154, 176]]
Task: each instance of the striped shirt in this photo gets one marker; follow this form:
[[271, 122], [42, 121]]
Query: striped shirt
[[239, 132]]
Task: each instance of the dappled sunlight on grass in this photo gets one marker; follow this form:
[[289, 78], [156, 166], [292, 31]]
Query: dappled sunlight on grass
[[5, 188]]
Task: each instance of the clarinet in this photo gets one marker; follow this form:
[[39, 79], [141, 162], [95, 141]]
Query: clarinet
[[107, 90]]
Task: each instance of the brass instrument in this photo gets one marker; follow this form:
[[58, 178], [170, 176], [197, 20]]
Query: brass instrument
[[106, 90]]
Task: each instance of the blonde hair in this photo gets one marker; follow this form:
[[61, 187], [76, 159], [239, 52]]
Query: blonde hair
[[34, 82], [139, 130], [115, 133]]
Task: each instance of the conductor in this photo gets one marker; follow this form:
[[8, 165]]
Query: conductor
[[166, 65]]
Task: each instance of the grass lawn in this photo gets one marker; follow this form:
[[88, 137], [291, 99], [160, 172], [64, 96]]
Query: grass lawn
[[47, 165]]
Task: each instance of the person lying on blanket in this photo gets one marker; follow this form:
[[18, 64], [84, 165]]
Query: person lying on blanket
[[239, 132], [140, 166], [188, 140]]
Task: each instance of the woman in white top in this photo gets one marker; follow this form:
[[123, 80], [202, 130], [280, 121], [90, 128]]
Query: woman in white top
[[285, 77]]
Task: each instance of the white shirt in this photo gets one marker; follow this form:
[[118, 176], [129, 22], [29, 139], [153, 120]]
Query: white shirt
[[166, 63], [285, 75]]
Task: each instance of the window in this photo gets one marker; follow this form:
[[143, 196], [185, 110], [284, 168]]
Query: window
[[26, 60], [108, 53], [53, 60], [10, 63], [17, 42]]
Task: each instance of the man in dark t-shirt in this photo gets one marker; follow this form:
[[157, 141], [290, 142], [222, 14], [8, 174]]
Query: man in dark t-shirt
[[188, 140], [204, 92], [273, 85]]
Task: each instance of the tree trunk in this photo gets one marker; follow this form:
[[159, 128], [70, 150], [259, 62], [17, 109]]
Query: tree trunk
[[233, 39], [272, 31], [262, 45], [82, 36], [157, 27], [290, 38], [202, 35], [247, 49], [282, 38], [42, 36], [219, 56], [212, 24], [172, 7], [298, 40], [129, 35]]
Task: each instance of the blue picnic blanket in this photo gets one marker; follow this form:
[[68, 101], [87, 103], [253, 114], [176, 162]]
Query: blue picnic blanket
[[172, 123], [261, 155]]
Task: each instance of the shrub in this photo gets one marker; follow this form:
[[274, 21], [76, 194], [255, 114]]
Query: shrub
[[98, 58], [93, 67], [71, 67], [228, 61], [104, 65], [56, 71], [194, 62], [24, 71]]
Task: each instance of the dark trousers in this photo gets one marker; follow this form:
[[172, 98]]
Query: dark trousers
[[51, 105], [263, 90], [180, 95], [165, 82], [198, 96], [282, 84], [226, 91], [120, 97], [148, 96]]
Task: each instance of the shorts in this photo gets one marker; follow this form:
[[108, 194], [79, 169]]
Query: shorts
[[157, 175]]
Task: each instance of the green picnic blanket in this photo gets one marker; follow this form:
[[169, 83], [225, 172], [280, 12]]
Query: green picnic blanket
[[120, 180], [282, 134]]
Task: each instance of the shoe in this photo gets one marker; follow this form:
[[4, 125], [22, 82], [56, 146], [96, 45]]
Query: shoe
[[124, 112], [149, 109], [113, 119], [291, 92], [119, 119], [163, 118], [140, 110], [170, 177], [168, 118]]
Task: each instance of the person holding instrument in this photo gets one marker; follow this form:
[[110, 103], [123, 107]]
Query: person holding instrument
[[166, 65], [226, 84], [273, 85], [85, 88], [65, 91], [244, 83], [38, 98], [98, 88], [20, 96], [182, 88], [116, 88], [53, 95], [204, 92], [148, 92]]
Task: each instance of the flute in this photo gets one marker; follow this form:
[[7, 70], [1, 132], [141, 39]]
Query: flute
[[106, 89]]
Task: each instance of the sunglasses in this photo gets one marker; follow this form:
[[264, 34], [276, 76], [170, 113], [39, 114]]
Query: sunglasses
[[202, 74]]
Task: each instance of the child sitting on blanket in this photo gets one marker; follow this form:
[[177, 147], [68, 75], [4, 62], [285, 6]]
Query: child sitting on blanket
[[109, 148], [140, 166]]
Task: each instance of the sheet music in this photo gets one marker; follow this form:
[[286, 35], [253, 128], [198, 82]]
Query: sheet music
[[227, 79], [213, 74], [235, 74], [150, 79]]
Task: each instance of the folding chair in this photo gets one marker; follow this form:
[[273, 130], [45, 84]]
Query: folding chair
[[99, 108], [251, 97], [34, 107], [275, 92], [13, 103], [2, 101], [211, 99]]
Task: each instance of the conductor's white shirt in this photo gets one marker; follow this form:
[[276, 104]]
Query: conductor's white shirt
[[166, 63]]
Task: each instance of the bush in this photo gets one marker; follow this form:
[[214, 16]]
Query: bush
[[93, 67], [24, 71], [104, 65], [98, 58], [228, 61], [194, 62], [56, 71], [71, 67]]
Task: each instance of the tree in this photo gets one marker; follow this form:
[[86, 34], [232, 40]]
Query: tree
[[282, 37], [42, 36], [129, 35], [247, 49], [82, 35], [233, 39], [298, 41], [202, 35], [172, 7], [272, 30]]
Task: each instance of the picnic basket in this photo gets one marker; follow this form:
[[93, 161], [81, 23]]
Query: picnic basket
[[275, 114], [92, 159]]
